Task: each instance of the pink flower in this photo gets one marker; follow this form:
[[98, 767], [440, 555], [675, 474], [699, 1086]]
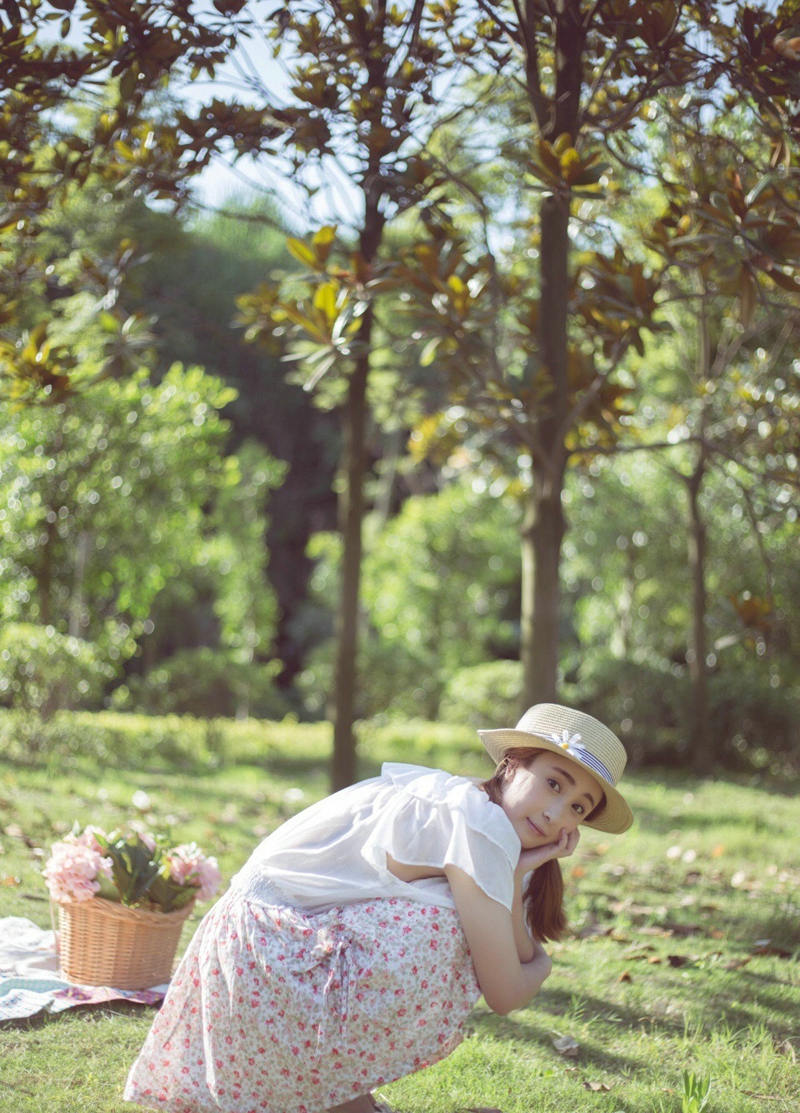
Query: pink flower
[[87, 838], [189, 866], [72, 869], [210, 878], [78, 864]]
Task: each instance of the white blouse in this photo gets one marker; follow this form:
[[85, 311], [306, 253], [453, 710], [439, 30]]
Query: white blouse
[[335, 851]]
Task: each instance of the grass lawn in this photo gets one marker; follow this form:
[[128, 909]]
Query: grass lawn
[[682, 954]]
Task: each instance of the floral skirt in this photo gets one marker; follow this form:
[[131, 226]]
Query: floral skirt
[[276, 1010]]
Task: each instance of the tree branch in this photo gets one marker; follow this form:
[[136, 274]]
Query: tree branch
[[765, 557]]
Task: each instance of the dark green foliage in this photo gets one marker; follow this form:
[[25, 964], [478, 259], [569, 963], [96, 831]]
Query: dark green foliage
[[42, 669], [483, 695], [753, 723], [206, 682], [190, 285], [133, 867]]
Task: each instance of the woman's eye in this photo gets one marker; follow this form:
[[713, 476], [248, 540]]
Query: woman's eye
[[579, 808], [553, 783]]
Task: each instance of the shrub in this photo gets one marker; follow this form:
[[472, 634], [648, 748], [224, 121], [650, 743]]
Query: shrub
[[42, 670], [644, 702], [206, 682], [752, 723], [484, 696], [450, 746], [119, 740], [392, 682]]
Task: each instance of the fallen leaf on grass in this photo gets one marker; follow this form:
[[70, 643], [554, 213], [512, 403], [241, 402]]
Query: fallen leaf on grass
[[654, 960], [9, 882], [592, 930], [683, 929], [637, 911], [786, 1048], [737, 963], [566, 1045], [679, 960], [14, 831], [625, 977], [597, 1087], [764, 947]]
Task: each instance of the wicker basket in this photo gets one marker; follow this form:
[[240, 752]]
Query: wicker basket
[[103, 943]]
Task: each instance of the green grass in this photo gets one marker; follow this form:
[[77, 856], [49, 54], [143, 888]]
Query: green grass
[[666, 969]]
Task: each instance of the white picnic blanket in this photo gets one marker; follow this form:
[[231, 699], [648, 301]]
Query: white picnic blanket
[[31, 982]]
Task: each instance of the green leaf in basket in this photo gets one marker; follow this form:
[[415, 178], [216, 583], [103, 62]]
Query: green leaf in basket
[[108, 890], [133, 867], [169, 895]]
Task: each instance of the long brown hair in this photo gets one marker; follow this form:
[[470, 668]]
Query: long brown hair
[[543, 898]]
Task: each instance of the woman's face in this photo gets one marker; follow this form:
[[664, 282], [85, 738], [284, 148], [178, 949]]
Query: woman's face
[[550, 795]]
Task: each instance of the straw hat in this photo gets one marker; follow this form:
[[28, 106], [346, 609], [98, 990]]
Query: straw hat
[[594, 747]]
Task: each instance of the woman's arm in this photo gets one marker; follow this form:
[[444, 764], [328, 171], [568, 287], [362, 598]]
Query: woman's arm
[[525, 945], [530, 860], [494, 936]]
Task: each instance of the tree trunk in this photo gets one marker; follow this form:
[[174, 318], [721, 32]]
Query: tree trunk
[[351, 505], [544, 525], [343, 767], [699, 732], [542, 532]]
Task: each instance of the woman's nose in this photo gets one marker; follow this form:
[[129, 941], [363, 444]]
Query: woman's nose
[[554, 812]]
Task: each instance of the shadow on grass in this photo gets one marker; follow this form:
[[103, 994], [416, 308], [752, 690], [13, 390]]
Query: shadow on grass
[[89, 1013], [735, 1007], [526, 1027]]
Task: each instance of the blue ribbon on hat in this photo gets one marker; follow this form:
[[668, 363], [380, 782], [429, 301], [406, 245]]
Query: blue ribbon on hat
[[571, 743]]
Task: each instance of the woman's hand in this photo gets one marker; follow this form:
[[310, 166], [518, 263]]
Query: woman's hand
[[562, 848]]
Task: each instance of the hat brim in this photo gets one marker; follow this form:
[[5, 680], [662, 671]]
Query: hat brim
[[616, 815]]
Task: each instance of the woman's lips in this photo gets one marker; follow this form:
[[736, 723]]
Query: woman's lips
[[536, 829]]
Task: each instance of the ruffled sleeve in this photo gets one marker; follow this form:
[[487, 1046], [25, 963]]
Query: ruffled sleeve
[[434, 819]]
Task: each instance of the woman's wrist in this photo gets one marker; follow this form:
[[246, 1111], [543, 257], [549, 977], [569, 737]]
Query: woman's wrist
[[541, 956]]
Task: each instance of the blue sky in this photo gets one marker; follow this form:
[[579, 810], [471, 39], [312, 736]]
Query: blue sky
[[219, 184]]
